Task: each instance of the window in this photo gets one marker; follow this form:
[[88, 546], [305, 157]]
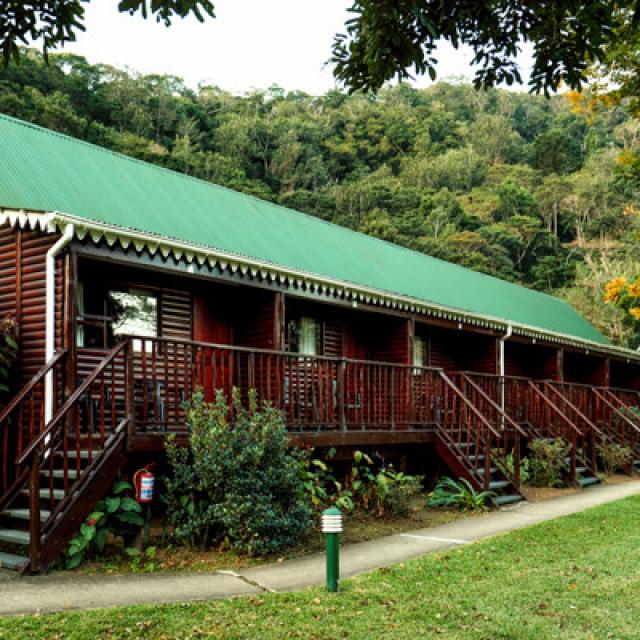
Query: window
[[304, 335], [105, 314], [419, 352]]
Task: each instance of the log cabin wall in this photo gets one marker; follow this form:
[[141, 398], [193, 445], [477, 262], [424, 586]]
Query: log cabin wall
[[356, 334], [458, 350], [585, 369], [23, 292], [390, 340], [625, 375], [530, 360]]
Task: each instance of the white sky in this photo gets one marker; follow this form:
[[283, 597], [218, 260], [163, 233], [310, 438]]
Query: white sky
[[250, 44]]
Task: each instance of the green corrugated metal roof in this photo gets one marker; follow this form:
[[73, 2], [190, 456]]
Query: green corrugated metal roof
[[41, 170]]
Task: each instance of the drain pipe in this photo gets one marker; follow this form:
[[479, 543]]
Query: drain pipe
[[50, 315], [502, 340]]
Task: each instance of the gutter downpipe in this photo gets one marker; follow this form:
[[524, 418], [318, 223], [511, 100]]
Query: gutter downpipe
[[50, 315], [502, 340]]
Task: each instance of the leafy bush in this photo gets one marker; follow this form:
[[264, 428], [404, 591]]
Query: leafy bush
[[237, 484], [382, 491], [117, 514], [547, 461], [614, 456], [507, 465], [459, 494], [8, 355], [365, 489]]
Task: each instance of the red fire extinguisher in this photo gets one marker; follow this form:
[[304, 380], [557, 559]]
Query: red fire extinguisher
[[144, 481]]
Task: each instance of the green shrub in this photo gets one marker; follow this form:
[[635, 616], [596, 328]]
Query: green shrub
[[459, 494], [547, 461], [8, 356], [367, 488], [117, 514], [507, 465], [399, 488], [380, 491], [238, 484], [614, 457]]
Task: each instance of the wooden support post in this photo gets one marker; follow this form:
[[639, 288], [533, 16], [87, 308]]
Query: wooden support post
[[279, 322], [342, 371], [69, 331], [392, 408], [34, 512], [129, 382]]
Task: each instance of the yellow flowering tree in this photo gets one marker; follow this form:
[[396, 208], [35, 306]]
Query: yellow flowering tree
[[625, 294]]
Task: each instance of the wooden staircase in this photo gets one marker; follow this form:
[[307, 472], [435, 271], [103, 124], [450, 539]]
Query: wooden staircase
[[555, 416], [620, 422], [474, 448], [540, 413], [59, 470]]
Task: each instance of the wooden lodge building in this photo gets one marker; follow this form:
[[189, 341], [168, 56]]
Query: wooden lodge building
[[131, 286]]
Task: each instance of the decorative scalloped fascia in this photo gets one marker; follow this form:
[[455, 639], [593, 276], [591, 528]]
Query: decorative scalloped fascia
[[234, 263]]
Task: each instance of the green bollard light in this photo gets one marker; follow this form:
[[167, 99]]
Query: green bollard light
[[332, 527]]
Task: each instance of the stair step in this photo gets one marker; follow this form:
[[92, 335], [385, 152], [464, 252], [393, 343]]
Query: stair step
[[84, 454], [23, 514], [12, 561], [498, 484], [474, 457], [581, 469], [14, 536], [500, 501], [72, 474], [585, 482], [491, 470], [58, 494]]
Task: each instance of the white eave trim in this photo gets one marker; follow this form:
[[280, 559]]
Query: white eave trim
[[233, 263]]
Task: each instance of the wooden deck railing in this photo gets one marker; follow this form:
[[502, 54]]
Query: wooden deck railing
[[313, 392]]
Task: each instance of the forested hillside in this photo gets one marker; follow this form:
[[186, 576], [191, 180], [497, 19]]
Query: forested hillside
[[541, 192]]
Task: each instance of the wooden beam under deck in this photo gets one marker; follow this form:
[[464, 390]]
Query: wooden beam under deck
[[154, 442]]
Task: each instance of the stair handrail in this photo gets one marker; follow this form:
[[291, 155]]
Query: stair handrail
[[48, 432], [575, 434], [592, 426], [8, 490], [486, 438], [626, 419], [34, 459], [486, 424], [28, 387], [507, 418]]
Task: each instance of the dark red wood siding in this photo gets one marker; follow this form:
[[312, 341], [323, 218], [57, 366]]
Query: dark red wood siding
[[457, 350], [584, 368], [530, 360], [23, 291]]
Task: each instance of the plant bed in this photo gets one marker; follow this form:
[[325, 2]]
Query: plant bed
[[167, 558]]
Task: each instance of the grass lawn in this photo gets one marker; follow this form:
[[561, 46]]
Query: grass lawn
[[577, 577]]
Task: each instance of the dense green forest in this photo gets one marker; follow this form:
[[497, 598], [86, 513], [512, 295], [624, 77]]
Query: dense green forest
[[544, 192]]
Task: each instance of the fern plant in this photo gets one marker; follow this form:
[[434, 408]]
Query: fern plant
[[459, 494]]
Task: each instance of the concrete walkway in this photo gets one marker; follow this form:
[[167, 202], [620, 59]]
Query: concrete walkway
[[63, 592]]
